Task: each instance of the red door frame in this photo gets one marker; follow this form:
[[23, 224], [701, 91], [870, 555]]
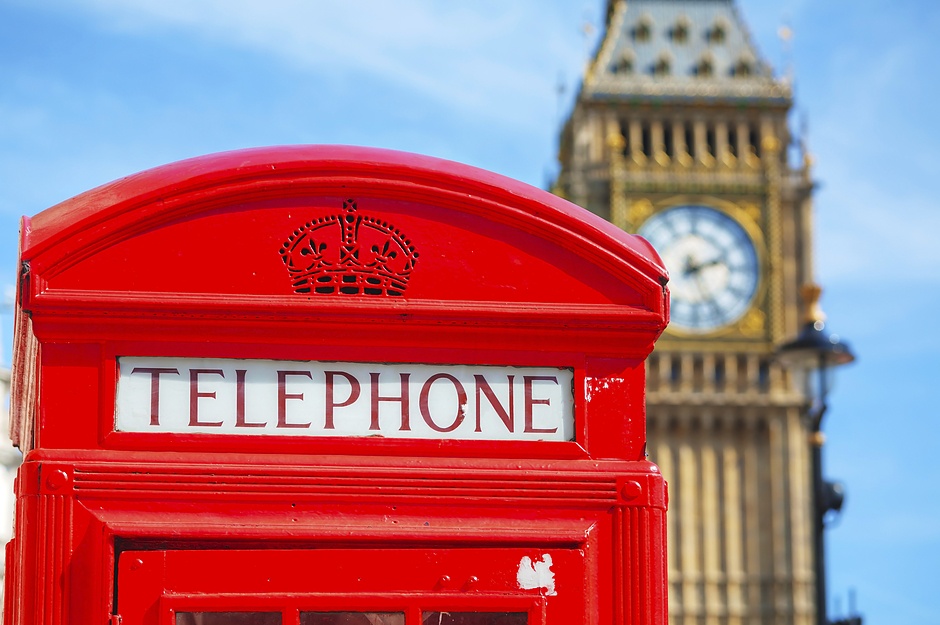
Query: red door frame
[[154, 585]]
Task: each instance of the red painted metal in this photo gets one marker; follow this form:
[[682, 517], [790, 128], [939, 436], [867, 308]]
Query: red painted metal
[[200, 259]]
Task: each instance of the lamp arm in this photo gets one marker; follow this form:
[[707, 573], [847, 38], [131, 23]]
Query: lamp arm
[[815, 414]]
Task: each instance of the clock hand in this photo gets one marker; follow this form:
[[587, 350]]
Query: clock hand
[[693, 268], [715, 261]]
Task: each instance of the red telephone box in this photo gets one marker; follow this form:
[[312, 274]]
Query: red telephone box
[[318, 385]]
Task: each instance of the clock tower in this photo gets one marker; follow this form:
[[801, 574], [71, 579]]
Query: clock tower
[[680, 133]]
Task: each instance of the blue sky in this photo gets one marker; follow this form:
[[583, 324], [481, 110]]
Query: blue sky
[[92, 90]]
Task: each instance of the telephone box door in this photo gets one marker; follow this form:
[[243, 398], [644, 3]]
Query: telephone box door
[[461, 586]]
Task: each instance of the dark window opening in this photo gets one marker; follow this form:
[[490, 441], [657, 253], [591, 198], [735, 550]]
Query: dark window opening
[[662, 67], [742, 69], [647, 140], [679, 33], [352, 618], [689, 138], [623, 65], [668, 146], [733, 141], [720, 375], [753, 140], [763, 375], [625, 131], [228, 618], [474, 618], [704, 68], [716, 34], [710, 142]]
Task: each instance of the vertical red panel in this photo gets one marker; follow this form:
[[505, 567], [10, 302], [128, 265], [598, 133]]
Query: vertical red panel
[[69, 381], [614, 408]]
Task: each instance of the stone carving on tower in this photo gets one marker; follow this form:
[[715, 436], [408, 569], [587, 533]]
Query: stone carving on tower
[[680, 133]]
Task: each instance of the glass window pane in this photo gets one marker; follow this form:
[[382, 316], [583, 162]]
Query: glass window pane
[[475, 618], [352, 618], [228, 618]]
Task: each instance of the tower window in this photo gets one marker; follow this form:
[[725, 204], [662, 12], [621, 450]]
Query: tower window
[[742, 69], [733, 141], [643, 29], [689, 138], [717, 33], [763, 376], [623, 64], [680, 32], [625, 131], [668, 145], [704, 68], [719, 374], [647, 141], [710, 142], [753, 140], [662, 67], [675, 370], [698, 373]]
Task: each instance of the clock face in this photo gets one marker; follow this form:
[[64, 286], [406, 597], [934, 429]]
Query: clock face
[[712, 263]]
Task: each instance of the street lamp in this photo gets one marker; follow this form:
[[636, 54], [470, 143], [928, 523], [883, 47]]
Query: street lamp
[[815, 353]]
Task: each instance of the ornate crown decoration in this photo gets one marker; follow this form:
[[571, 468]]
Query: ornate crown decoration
[[349, 253]]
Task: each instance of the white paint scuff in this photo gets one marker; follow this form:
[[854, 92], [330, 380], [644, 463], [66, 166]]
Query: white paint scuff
[[537, 575]]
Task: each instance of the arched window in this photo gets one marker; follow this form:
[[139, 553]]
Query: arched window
[[753, 140], [679, 33], [717, 33], [646, 140], [669, 143], [742, 68], [643, 29], [689, 132], [624, 63], [711, 143], [625, 132], [704, 68], [662, 66]]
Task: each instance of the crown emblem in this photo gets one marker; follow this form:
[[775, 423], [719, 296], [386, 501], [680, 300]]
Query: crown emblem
[[349, 253]]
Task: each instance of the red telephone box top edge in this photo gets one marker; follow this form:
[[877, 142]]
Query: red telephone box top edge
[[48, 231]]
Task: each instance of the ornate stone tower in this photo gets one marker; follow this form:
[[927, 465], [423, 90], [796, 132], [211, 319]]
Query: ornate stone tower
[[680, 133]]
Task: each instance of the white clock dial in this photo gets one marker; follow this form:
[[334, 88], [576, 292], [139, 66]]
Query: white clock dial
[[712, 263]]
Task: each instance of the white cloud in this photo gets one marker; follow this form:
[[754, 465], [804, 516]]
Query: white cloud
[[465, 55]]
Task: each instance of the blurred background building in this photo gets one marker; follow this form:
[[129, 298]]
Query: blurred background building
[[681, 133], [9, 461]]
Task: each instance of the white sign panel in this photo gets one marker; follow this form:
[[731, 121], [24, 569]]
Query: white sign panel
[[294, 398]]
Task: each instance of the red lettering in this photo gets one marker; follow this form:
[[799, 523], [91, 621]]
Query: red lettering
[[240, 421], [283, 396], [403, 399], [461, 402], [354, 391], [155, 373], [508, 418], [530, 402], [195, 395]]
